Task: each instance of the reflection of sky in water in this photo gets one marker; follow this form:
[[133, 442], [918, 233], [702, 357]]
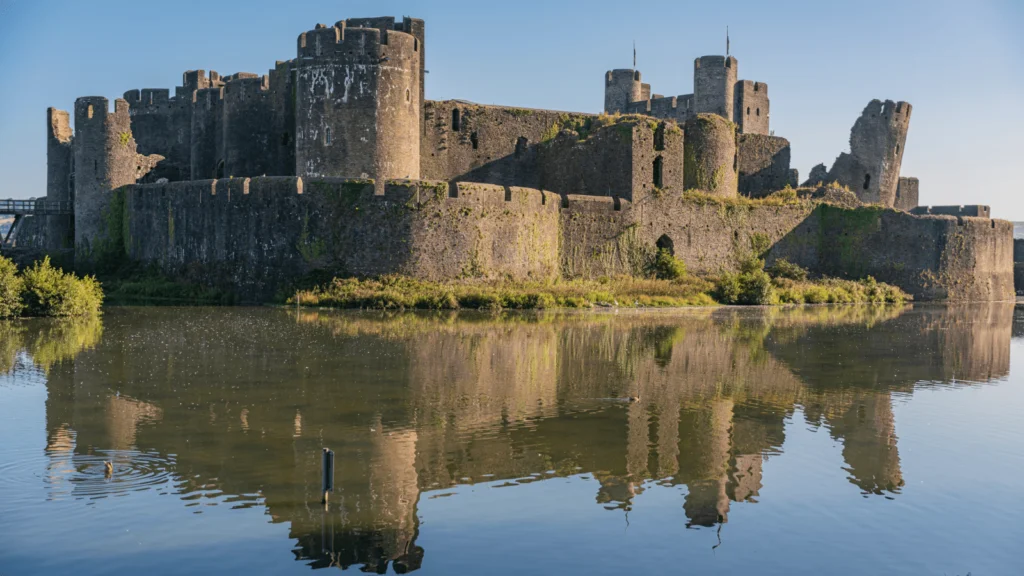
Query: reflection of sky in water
[[802, 443]]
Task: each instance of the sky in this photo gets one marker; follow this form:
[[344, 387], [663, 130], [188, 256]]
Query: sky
[[960, 64]]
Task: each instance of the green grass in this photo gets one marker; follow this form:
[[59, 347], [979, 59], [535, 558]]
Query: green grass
[[751, 287], [399, 292]]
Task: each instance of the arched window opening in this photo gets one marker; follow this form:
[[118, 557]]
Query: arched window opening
[[658, 164], [89, 111], [665, 243], [456, 120], [474, 140], [867, 181], [897, 149], [758, 111], [328, 136], [748, 110], [521, 144], [218, 173], [659, 137], [408, 95]]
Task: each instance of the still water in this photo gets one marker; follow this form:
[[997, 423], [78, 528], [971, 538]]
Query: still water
[[822, 440]]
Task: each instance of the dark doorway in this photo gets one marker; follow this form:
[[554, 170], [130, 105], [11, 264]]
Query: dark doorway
[[665, 243]]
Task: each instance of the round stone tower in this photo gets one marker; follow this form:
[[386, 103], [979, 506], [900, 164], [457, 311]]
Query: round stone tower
[[621, 87], [357, 103], [105, 158], [710, 155], [714, 82]]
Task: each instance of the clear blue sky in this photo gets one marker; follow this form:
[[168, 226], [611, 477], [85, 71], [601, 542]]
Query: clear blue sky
[[961, 64]]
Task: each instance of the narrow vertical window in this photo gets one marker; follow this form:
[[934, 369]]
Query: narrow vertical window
[[867, 181], [327, 136], [658, 172], [89, 112], [474, 140], [456, 123]]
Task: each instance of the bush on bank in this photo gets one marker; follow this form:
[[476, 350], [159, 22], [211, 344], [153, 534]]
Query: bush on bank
[[42, 290], [752, 287]]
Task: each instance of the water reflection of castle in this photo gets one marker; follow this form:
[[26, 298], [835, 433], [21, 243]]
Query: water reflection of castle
[[244, 400]]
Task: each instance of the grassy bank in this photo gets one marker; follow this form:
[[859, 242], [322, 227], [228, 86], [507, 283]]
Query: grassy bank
[[752, 287], [145, 285], [43, 290]]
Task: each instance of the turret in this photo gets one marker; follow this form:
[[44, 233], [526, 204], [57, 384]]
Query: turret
[[714, 80], [711, 163], [358, 102], [248, 139], [622, 87], [59, 177]]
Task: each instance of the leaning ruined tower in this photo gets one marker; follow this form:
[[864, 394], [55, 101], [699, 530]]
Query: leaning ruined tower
[[358, 99]]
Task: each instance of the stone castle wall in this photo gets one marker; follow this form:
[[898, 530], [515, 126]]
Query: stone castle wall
[[763, 164], [489, 144], [931, 257], [257, 236]]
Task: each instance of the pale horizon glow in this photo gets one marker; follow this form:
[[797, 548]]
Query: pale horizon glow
[[959, 64]]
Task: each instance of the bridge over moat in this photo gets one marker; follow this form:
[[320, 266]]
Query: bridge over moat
[[32, 207]]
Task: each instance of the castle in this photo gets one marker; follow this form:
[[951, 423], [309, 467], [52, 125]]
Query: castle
[[334, 162]]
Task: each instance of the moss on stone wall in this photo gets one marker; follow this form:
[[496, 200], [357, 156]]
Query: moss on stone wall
[[847, 252]]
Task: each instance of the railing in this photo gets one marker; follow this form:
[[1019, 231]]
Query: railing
[[39, 207]]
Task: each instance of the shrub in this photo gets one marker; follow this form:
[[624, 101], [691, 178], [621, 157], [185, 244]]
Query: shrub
[[751, 264], [727, 289], [816, 295], [783, 268], [756, 288], [48, 291], [667, 266], [11, 286], [752, 288]]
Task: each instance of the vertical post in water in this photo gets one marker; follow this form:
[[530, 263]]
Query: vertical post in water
[[327, 467]]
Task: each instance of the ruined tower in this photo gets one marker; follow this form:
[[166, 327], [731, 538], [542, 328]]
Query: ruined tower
[[105, 158], [714, 81], [59, 177], [872, 167], [621, 88], [711, 163], [358, 93]]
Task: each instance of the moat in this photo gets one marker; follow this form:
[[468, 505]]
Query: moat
[[839, 440]]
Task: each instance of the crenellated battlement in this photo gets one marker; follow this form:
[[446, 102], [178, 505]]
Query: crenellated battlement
[[356, 43], [246, 86]]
